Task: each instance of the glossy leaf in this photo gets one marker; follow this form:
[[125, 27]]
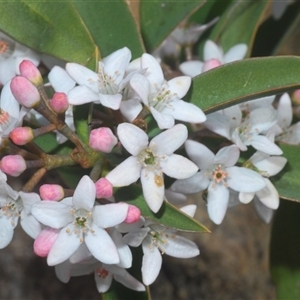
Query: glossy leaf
[[239, 23], [159, 18], [287, 181], [168, 214], [285, 248], [244, 80], [112, 25], [51, 27]]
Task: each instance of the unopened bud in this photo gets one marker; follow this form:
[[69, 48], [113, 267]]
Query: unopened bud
[[102, 139], [24, 91], [296, 97], [31, 72], [13, 165], [53, 192], [210, 64], [133, 214], [59, 103], [44, 241], [104, 188], [21, 135]]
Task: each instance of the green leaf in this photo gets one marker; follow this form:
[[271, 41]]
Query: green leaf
[[239, 24], [159, 18], [51, 27], [244, 80], [287, 181], [112, 25], [285, 249], [47, 142], [168, 215]]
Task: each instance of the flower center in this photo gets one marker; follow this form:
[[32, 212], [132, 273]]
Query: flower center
[[159, 238], [147, 157], [102, 273], [217, 174], [106, 83], [11, 209], [6, 49], [82, 223]]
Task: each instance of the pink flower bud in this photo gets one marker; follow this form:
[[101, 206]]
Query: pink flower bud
[[296, 97], [24, 91], [133, 214], [31, 72], [210, 64], [21, 135], [44, 241], [13, 165], [104, 188], [59, 103], [53, 192], [102, 139]]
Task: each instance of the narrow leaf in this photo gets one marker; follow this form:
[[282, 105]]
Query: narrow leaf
[[54, 28], [244, 80], [168, 214]]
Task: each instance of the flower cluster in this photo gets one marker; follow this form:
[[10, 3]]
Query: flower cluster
[[132, 135]]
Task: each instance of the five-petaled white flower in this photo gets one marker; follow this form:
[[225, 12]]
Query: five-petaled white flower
[[150, 160], [81, 221], [217, 174]]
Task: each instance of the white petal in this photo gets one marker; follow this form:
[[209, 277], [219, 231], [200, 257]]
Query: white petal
[[64, 246], [164, 121], [130, 109], [63, 271], [110, 101], [264, 212], [129, 281], [28, 200], [219, 124], [195, 184], [211, 50], [227, 156], [8, 102], [284, 111], [81, 254], [184, 111], [269, 195], [244, 180], [236, 52], [103, 283], [154, 72], [126, 173], [60, 80], [83, 76], [30, 225], [178, 246], [151, 264], [246, 197], [170, 166], [180, 85], [81, 95], [272, 165], [170, 140], [6, 231], [52, 214], [85, 194], [132, 138], [190, 209], [199, 154], [262, 119], [110, 214], [153, 190], [135, 238], [101, 245], [217, 202], [191, 68], [141, 86], [262, 143]]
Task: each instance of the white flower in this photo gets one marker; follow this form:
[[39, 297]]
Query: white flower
[[217, 174], [12, 206], [245, 131], [104, 87], [11, 55], [150, 160], [212, 51], [104, 274], [157, 240], [80, 221]]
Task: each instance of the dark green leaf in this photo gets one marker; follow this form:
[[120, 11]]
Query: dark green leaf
[[51, 27], [159, 18], [287, 182], [239, 23], [285, 249], [244, 80], [168, 214], [112, 25]]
